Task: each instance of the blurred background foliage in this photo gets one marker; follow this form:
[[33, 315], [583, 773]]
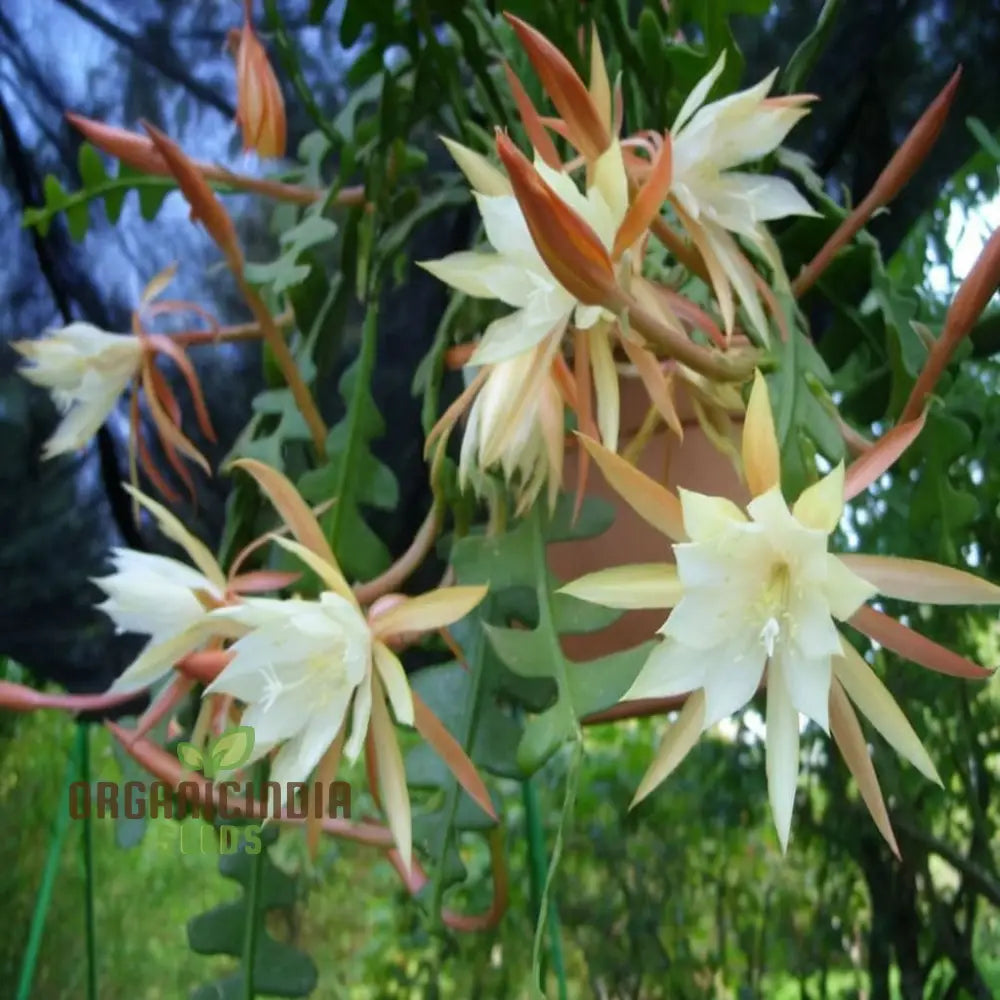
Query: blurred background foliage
[[687, 896]]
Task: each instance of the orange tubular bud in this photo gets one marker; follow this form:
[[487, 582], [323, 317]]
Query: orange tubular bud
[[572, 251], [205, 206], [970, 300], [260, 108], [587, 130], [889, 183], [135, 150]]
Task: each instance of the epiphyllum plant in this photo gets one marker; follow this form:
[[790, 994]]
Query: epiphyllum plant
[[755, 598]]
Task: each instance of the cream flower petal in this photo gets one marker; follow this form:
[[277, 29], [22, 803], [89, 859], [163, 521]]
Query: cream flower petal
[[670, 670], [482, 275], [807, 679], [519, 331], [707, 518], [844, 590], [733, 680], [782, 755]]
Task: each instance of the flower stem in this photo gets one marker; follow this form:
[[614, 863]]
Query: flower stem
[[286, 362], [229, 334], [714, 365]]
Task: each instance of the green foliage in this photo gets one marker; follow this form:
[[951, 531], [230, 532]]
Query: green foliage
[[97, 185], [279, 969], [352, 474], [523, 590]]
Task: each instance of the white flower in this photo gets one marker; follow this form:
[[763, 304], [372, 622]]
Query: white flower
[[515, 272], [758, 591], [298, 670], [161, 597], [85, 370], [709, 140], [756, 598], [516, 423]]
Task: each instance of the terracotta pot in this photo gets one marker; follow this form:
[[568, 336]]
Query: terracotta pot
[[694, 463]]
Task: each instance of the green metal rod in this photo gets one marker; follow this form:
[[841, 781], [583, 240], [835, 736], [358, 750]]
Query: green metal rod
[[83, 752], [60, 827], [537, 873]]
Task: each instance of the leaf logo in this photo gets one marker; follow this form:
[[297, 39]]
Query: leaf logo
[[225, 753]]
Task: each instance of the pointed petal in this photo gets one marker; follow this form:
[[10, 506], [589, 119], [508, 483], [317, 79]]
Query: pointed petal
[[519, 332], [432, 610], [648, 201], [600, 84], [329, 573], [157, 659], [922, 582], [807, 680], [606, 389], [482, 275], [610, 181], [782, 755], [540, 140], [863, 471], [698, 94], [820, 505], [843, 589], [260, 581], [361, 713], [851, 741], [646, 585], [651, 501], [670, 669], [706, 518], [293, 509], [171, 527], [479, 172], [391, 776], [393, 678], [587, 131], [913, 646], [761, 455], [450, 751], [880, 708], [732, 680], [656, 383], [677, 742]]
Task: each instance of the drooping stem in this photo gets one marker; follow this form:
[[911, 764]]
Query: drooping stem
[[407, 563], [729, 367], [289, 369], [229, 334]]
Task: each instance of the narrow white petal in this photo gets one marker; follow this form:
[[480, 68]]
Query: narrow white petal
[[807, 680], [733, 679], [483, 276], [393, 678], [844, 590], [677, 743], [782, 756], [698, 93], [670, 670]]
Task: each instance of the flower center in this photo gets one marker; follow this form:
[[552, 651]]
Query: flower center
[[774, 606]]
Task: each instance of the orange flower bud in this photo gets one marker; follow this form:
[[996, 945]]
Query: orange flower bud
[[260, 108], [135, 150], [205, 206], [567, 91], [572, 251]]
